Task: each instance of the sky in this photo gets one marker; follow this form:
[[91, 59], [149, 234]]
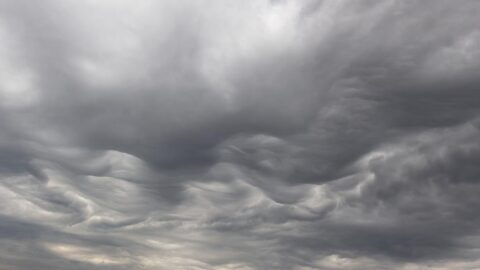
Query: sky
[[239, 135]]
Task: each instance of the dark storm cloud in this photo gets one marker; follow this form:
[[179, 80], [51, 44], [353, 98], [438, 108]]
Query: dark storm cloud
[[246, 135]]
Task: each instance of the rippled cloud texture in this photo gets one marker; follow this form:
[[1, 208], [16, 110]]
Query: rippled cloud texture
[[239, 135]]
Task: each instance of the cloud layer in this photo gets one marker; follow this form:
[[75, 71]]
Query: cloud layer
[[222, 135]]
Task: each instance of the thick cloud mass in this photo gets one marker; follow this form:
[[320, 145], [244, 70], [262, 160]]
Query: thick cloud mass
[[217, 135]]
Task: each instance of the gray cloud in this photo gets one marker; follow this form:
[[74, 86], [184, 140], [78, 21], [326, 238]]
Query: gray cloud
[[239, 135]]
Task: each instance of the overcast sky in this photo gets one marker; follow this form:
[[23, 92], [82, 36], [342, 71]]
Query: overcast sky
[[239, 135]]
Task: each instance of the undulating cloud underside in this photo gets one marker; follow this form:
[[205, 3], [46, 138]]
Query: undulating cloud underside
[[239, 135]]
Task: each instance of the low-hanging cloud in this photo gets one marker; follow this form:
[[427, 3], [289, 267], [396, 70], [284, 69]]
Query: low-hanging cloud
[[239, 135]]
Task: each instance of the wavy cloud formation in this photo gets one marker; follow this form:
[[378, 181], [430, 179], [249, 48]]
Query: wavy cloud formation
[[239, 135]]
